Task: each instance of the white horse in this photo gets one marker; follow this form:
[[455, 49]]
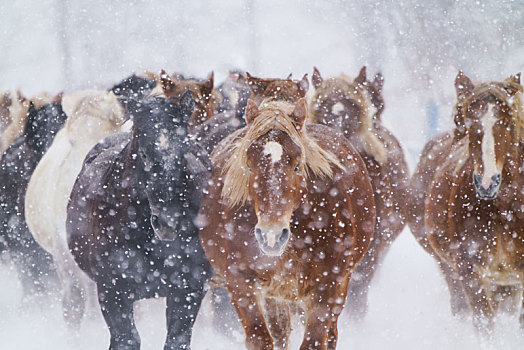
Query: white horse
[[91, 116], [13, 116]]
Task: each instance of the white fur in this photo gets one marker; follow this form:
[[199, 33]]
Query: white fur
[[489, 160], [91, 116], [337, 108], [274, 149], [163, 141]]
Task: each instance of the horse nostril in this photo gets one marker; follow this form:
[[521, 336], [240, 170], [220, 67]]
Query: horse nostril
[[285, 235], [496, 178]]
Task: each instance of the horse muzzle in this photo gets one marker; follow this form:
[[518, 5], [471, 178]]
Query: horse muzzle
[[272, 241], [487, 189]]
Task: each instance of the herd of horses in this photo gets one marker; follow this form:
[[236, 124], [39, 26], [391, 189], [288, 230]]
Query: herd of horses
[[281, 197]]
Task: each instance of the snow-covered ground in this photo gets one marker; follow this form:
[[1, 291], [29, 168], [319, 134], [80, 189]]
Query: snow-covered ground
[[52, 45], [409, 309]]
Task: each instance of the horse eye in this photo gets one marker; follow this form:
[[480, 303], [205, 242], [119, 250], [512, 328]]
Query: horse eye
[[506, 124], [297, 167]]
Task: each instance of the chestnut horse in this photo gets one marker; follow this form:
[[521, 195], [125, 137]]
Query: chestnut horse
[[473, 216], [131, 220], [354, 107], [274, 89], [206, 99], [289, 213]]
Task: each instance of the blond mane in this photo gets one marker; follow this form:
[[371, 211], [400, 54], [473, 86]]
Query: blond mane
[[97, 104], [273, 115], [360, 96], [500, 91]]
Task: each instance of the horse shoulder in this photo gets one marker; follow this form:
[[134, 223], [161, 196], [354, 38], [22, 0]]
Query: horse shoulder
[[442, 208]]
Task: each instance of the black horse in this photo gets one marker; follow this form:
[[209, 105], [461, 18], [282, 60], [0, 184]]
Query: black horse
[[33, 264], [133, 87], [130, 221]]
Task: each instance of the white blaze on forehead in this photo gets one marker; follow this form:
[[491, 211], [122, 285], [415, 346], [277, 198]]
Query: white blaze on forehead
[[163, 141], [337, 108], [274, 149], [489, 160]]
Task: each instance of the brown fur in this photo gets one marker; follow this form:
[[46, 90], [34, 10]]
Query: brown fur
[[480, 240], [275, 89], [331, 221], [206, 99], [13, 112], [382, 155]]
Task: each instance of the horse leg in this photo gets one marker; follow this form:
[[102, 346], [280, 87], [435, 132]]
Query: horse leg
[[73, 301], [279, 322], [117, 308], [250, 313], [181, 313], [225, 317], [483, 313], [458, 301], [319, 328], [33, 264]]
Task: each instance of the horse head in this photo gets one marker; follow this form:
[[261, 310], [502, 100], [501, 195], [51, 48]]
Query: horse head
[[133, 87], [277, 89], [490, 116], [352, 105], [205, 98], [43, 124], [268, 166], [160, 139]]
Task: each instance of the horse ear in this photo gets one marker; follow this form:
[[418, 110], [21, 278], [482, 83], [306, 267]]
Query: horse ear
[[378, 82], [187, 105], [207, 87], [165, 81], [463, 85], [299, 114], [515, 78], [289, 76], [361, 78], [257, 85], [251, 112], [316, 78], [303, 85]]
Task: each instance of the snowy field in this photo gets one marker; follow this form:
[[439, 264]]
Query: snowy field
[[409, 309], [52, 45]]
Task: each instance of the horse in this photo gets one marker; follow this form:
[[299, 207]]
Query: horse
[[288, 214], [92, 115], [206, 99], [33, 264], [133, 87], [473, 213], [130, 221], [275, 89], [353, 106], [13, 117], [235, 93]]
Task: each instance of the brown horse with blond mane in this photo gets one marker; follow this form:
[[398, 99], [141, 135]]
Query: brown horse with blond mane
[[289, 213], [354, 107], [473, 213]]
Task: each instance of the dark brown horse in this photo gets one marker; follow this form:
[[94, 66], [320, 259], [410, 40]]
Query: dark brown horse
[[288, 215], [473, 214], [130, 221], [353, 106]]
